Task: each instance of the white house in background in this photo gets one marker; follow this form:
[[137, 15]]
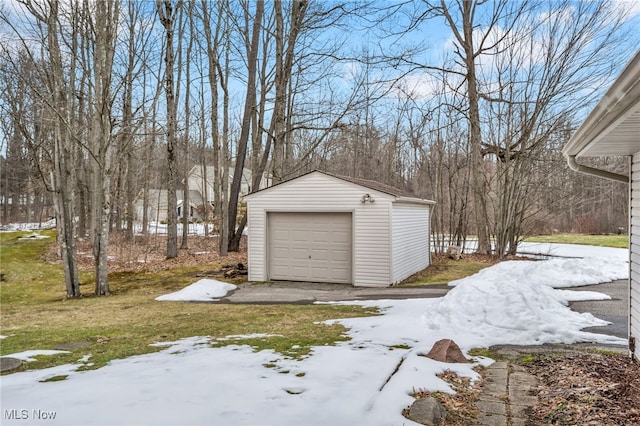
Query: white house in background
[[157, 204], [200, 192], [613, 129], [325, 228]]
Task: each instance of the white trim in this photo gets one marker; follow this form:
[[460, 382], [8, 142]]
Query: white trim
[[616, 103]]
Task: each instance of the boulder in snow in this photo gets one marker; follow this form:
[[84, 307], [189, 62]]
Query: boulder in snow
[[8, 363], [427, 411], [446, 350]]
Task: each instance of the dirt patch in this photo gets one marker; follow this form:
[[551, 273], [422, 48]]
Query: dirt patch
[[589, 389]]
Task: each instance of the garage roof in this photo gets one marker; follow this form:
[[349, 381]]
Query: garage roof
[[613, 126], [370, 184]]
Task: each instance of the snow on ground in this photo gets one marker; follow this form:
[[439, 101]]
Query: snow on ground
[[205, 290], [193, 228], [355, 382], [555, 273], [572, 250], [34, 236], [12, 227], [28, 356], [581, 296]]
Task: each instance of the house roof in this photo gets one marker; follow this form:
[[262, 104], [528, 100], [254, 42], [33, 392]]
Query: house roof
[[372, 184], [366, 183], [613, 127]]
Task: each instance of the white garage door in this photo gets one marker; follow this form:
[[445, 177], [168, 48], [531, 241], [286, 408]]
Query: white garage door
[[310, 247]]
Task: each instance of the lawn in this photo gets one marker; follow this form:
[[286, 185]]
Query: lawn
[[443, 269], [36, 315], [618, 241]]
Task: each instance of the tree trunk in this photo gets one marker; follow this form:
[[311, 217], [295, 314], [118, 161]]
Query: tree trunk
[[105, 27], [477, 168], [63, 180], [249, 107], [167, 18]]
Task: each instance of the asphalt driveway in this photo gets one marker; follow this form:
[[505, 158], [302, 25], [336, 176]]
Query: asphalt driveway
[[615, 310], [307, 293]]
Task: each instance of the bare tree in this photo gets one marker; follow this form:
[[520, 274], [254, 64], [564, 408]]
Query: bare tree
[[286, 43], [213, 33], [102, 147], [505, 14], [249, 110], [60, 109]]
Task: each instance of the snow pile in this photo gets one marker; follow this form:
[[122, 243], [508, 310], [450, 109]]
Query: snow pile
[[205, 290], [515, 303]]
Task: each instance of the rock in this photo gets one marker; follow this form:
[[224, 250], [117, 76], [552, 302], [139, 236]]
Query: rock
[[454, 252], [427, 411], [8, 363], [446, 350]]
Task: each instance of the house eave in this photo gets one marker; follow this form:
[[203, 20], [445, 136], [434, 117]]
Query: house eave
[[411, 200], [603, 133]]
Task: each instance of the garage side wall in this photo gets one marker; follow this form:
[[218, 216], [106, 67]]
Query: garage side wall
[[634, 308], [410, 239], [317, 192]]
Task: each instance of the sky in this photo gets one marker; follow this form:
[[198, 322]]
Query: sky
[[366, 380]]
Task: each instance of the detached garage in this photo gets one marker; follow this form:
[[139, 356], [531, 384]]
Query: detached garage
[[321, 227]]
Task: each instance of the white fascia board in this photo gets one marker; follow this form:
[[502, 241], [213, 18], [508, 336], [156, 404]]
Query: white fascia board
[[621, 97]]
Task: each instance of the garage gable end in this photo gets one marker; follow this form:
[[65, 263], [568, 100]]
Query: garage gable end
[[314, 182]]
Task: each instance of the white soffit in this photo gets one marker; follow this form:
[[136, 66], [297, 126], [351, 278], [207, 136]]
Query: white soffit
[[613, 127]]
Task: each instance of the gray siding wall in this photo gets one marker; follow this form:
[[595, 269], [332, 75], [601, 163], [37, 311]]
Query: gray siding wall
[[634, 232], [317, 192], [410, 239]]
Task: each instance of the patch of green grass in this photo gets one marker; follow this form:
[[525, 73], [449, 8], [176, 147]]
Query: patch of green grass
[[399, 347], [618, 241], [55, 379], [36, 315], [486, 353], [444, 270], [527, 358]]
